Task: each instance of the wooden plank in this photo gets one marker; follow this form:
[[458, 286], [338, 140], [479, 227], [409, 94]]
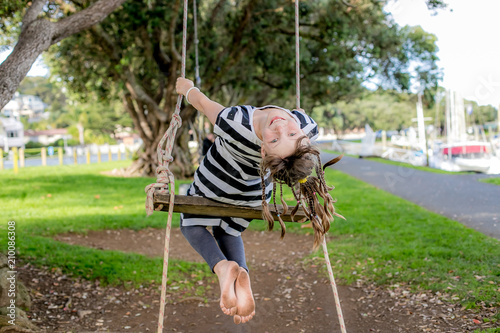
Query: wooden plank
[[204, 206]]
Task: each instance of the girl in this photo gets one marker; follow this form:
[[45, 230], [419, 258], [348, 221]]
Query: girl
[[257, 148]]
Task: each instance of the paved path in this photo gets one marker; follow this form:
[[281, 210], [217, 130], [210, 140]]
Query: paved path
[[462, 198]]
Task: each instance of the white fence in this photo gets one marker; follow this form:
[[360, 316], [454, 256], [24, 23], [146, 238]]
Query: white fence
[[19, 158]]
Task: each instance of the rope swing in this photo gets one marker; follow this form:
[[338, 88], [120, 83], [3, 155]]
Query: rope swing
[[165, 181], [325, 248]]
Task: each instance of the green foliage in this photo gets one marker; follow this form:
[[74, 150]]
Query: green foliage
[[100, 118], [69, 142], [247, 55], [488, 330], [421, 49], [382, 110], [247, 51], [480, 113], [42, 87], [11, 12], [436, 4], [32, 144]]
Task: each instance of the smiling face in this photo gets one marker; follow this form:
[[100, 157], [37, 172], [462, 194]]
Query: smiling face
[[280, 134]]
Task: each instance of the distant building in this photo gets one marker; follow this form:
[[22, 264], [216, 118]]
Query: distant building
[[127, 137], [46, 137], [29, 106], [11, 109], [11, 133]]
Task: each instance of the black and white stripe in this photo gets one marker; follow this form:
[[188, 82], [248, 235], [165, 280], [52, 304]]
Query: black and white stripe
[[229, 172]]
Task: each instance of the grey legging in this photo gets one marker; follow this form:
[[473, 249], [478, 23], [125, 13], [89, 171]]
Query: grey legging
[[216, 247]]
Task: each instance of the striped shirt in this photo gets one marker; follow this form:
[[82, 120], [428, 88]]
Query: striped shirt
[[229, 173]]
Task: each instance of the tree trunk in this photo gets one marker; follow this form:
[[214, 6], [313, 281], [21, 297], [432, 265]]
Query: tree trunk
[[182, 165], [38, 35], [22, 302], [151, 132]]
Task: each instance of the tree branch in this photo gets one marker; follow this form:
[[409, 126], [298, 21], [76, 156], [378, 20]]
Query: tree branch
[[37, 35], [138, 119], [85, 19], [139, 94], [216, 10], [32, 13], [171, 34], [345, 3], [270, 84], [162, 59]]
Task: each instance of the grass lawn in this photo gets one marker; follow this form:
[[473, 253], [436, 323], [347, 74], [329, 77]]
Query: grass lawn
[[495, 181], [422, 168], [385, 239], [403, 164]]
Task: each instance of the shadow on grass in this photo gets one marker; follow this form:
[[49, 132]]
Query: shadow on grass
[[82, 223], [109, 267], [73, 185]]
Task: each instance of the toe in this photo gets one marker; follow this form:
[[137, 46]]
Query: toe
[[232, 311], [246, 319], [237, 319]]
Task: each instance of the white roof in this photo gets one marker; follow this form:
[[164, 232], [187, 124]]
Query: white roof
[[12, 105], [10, 124]]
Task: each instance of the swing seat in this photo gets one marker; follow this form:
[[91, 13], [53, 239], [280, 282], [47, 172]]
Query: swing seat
[[204, 206]]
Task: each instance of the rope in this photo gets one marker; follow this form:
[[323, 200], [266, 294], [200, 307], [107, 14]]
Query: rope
[[325, 249], [196, 42], [334, 286], [199, 118], [297, 55], [164, 177]]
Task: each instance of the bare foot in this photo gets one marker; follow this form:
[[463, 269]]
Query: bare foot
[[227, 272], [245, 301]]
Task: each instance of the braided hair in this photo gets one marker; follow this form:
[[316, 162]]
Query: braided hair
[[296, 172]]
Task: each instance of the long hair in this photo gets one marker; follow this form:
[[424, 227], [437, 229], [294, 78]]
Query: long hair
[[296, 172]]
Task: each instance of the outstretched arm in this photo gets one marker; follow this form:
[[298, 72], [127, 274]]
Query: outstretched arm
[[198, 99]]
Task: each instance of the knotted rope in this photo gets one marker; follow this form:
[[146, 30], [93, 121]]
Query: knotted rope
[[325, 249], [165, 180]]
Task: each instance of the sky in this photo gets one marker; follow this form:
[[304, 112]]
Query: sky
[[467, 37], [468, 40]]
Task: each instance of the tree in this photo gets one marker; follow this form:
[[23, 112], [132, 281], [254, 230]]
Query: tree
[[247, 56], [49, 92], [381, 109], [42, 25]]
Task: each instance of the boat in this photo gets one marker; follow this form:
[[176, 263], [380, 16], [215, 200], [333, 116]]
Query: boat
[[461, 152], [464, 156]]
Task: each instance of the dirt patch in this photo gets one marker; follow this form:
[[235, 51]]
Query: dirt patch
[[291, 295]]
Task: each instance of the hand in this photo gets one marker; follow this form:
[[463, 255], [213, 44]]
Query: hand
[[182, 85]]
